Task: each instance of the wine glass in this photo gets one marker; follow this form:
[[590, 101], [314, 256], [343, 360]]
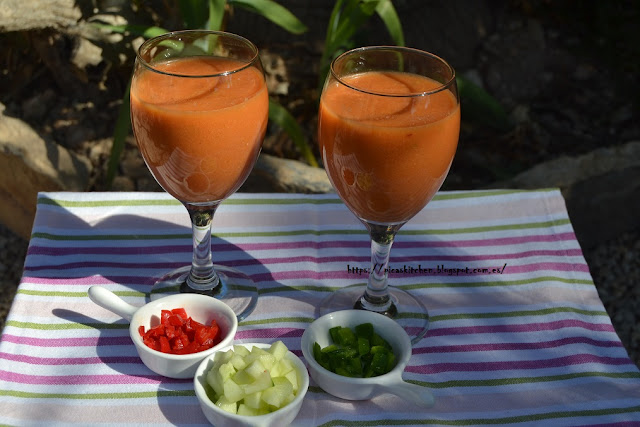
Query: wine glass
[[388, 127], [199, 110]]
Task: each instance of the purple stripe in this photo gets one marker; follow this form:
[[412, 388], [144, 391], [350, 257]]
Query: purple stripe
[[466, 330], [271, 333], [318, 275], [67, 342], [345, 274], [88, 379], [565, 361], [515, 328], [318, 260], [228, 247], [516, 346], [70, 360]]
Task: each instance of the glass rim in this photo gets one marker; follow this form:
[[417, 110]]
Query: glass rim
[[158, 39], [443, 86]]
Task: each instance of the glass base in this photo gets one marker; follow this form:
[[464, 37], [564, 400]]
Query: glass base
[[409, 312], [236, 289]]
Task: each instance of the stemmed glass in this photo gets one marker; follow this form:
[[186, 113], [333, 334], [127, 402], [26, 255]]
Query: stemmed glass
[[199, 110], [388, 128]]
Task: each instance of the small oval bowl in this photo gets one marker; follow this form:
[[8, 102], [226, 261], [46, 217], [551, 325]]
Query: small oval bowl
[[216, 416], [200, 307], [364, 388]]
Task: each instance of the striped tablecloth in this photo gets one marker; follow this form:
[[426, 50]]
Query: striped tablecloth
[[529, 346]]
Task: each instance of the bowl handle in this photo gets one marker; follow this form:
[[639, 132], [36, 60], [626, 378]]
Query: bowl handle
[[418, 395], [107, 299]]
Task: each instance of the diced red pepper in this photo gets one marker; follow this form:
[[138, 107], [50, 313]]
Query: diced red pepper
[[180, 334], [175, 320], [180, 312], [165, 347]]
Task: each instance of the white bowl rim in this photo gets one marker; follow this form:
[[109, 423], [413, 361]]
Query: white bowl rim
[[403, 359], [202, 395], [216, 305]]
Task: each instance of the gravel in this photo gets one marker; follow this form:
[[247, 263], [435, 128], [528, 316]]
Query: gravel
[[614, 265]]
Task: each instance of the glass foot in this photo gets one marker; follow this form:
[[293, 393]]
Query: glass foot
[[409, 312], [236, 289]]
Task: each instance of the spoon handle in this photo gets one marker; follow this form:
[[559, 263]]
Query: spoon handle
[[107, 299], [418, 395]]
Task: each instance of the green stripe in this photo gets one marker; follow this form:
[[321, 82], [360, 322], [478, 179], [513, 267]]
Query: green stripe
[[519, 313], [99, 396], [106, 203], [525, 380], [486, 421], [284, 201], [66, 326], [487, 193], [172, 202], [75, 294], [462, 230]]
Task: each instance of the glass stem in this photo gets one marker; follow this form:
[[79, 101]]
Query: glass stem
[[376, 296], [203, 276]]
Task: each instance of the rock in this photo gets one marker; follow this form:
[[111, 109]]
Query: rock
[[21, 15], [273, 174], [601, 189], [30, 164]]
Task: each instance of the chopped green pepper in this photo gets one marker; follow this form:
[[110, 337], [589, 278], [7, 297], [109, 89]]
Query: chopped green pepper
[[361, 354]]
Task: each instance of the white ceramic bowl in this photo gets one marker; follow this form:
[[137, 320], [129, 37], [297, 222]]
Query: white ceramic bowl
[[200, 307], [219, 418], [364, 388]]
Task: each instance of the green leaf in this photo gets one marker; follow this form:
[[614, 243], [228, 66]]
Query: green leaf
[[280, 116], [122, 129], [346, 19], [145, 31], [391, 20], [479, 106], [216, 14], [194, 13], [274, 12]]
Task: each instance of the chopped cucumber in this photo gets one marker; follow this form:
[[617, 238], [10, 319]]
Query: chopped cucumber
[[253, 382]]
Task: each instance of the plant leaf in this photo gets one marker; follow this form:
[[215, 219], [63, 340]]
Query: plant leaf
[[274, 12], [280, 116], [122, 129], [216, 14], [391, 20], [479, 106], [194, 13], [346, 19]]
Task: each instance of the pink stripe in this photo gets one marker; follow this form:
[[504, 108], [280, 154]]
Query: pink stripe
[[67, 342], [565, 361], [55, 361], [516, 345], [87, 379]]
